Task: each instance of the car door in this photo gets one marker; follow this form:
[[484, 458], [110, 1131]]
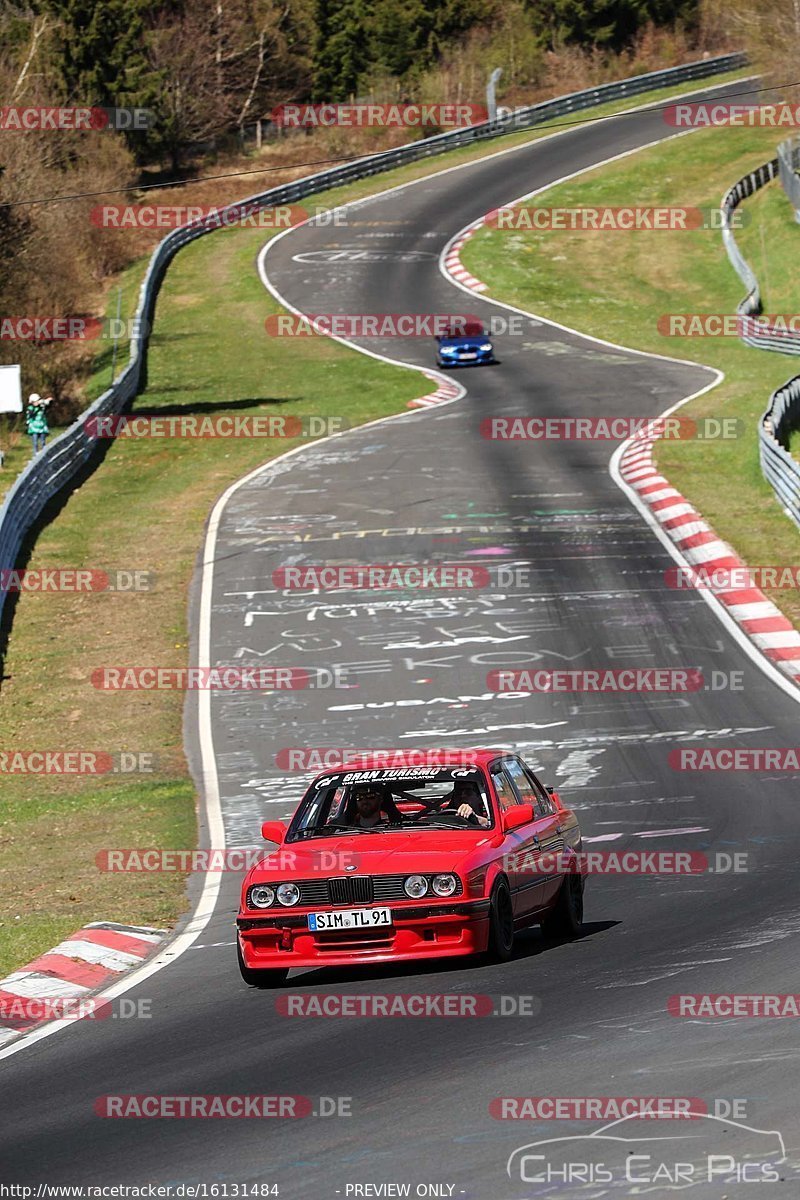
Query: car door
[[520, 849], [554, 834]]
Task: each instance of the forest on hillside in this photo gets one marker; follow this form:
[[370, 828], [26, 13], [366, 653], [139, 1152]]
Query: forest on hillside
[[209, 72], [207, 68]]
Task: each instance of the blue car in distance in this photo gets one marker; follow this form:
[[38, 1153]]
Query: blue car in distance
[[464, 343]]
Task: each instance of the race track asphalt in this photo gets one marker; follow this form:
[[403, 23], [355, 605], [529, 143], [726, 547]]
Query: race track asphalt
[[429, 487]]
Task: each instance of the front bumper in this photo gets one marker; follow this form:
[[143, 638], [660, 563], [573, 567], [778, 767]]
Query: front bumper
[[456, 360], [419, 931]]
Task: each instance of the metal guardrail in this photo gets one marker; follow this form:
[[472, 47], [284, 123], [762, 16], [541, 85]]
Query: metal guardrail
[[777, 465], [755, 332], [789, 170], [54, 467], [782, 416]]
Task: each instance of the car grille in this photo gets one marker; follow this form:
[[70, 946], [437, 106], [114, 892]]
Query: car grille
[[353, 890]]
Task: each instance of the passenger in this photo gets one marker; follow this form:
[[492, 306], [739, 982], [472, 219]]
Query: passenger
[[466, 800]]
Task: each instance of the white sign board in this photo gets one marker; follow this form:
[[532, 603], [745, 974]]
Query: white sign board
[[10, 390]]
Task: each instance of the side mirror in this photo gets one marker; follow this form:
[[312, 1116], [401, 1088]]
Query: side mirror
[[551, 791], [520, 814], [274, 831]]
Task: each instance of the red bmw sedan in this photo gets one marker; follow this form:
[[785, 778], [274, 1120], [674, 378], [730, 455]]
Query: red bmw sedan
[[384, 864]]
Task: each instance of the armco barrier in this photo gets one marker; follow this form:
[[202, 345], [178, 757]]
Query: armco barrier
[[777, 465], [789, 168], [54, 467], [762, 338]]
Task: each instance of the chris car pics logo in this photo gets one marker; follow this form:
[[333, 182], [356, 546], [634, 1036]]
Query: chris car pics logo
[[628, 1152]]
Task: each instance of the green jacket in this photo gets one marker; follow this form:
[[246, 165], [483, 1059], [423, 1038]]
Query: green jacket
[[36, 419]]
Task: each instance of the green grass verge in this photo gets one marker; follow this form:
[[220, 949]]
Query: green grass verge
[[145, 508], [616, 285]]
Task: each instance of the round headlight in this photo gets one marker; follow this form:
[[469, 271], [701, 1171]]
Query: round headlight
[[288, 894], [444, 885], [261, 896], [415, 886]]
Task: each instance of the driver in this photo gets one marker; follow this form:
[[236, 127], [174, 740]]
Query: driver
[[466, 800], [371, 802]]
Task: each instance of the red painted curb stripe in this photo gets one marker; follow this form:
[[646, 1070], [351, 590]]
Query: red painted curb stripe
[[742, 596], [73, 970], [783, 653], [777, 624], [114, 941], [693, 540], [633, 461]]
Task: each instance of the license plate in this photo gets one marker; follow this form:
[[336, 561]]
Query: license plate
[[469, 356], [350, 918]]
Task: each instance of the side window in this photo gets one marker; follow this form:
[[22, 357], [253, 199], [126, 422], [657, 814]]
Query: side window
[[527, 792], [545, 804], [505, 792]]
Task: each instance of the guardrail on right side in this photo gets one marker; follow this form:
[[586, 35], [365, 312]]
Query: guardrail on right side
[[782, 416], [788, 168], [777, 465], [51, 470], [754, 333]]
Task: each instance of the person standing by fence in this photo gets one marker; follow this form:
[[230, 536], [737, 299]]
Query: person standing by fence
[[36, 421]]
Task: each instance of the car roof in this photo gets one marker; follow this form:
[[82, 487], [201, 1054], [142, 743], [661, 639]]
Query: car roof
[[411, 758]]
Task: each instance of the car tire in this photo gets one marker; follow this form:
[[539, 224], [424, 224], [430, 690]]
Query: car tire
[[501, 923], [566, 918], [259, 978]]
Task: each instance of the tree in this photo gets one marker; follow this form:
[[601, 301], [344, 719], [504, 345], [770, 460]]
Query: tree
[[608, 24], [102, 58], [341, 52]]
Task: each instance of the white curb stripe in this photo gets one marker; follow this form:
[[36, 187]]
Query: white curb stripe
[[32, 986], [93, 952]]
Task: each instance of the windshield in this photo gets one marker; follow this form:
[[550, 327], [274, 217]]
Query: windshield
[[392, 800], [465, 328]]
